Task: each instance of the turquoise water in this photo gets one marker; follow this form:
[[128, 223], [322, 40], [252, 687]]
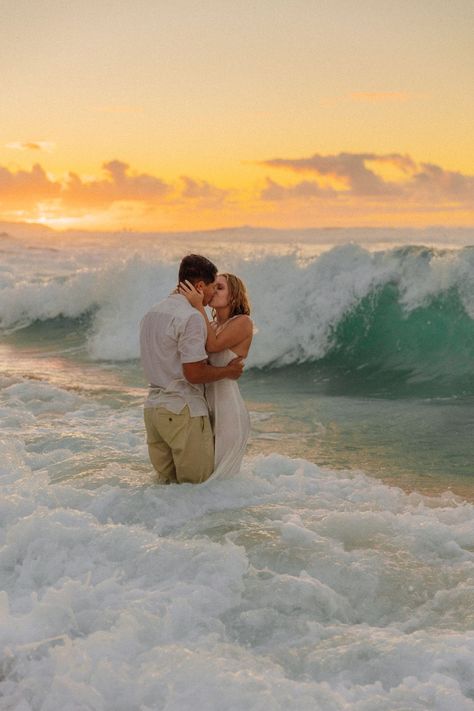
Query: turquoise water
[[417, 443], [335, 414]]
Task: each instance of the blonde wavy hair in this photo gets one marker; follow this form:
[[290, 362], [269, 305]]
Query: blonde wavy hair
[[238, 298]]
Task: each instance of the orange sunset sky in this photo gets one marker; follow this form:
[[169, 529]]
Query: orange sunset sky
[[184, 114]]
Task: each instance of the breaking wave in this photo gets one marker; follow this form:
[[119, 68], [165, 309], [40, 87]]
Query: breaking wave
[[408, 310]]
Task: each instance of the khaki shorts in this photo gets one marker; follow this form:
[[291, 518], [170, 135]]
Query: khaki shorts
[[181, 447]]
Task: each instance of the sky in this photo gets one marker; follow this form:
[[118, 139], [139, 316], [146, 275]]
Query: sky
[[183, 114]]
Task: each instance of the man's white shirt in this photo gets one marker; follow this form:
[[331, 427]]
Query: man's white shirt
[[173, 333]]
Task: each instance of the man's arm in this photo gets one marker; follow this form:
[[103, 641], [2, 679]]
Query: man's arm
[[202, 372]]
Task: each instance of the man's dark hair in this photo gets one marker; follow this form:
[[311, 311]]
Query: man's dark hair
[[195, 268]]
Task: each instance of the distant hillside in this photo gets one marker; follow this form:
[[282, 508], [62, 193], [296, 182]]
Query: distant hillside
[[23, 229]]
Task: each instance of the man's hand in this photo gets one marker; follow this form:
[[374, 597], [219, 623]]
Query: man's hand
[[192, 294], [202, 372], [235, 368]]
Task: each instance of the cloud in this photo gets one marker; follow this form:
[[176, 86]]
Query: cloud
[[202, 190], [331, 184], [350, 169], [25, 187], [437, 183], [403, 162], [306, 189], [118, 185], [357, 175], [31, 146]]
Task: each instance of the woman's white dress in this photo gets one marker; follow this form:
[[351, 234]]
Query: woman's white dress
[[230, 420]]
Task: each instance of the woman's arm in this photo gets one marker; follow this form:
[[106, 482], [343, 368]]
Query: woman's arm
[[236, 331]]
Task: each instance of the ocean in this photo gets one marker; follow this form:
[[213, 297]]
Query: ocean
[[335, 573]]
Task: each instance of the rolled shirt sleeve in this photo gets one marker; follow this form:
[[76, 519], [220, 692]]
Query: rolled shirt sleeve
[[192, 340]]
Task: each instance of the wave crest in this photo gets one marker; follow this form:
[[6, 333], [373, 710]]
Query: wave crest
[[393, 308]]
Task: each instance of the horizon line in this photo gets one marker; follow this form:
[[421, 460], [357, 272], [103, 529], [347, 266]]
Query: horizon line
[[4, 224]]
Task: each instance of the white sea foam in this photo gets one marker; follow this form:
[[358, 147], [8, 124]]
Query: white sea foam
[[296, 305], [291, 586]]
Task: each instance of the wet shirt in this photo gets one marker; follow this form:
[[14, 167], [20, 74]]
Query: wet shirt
[[173, 333]]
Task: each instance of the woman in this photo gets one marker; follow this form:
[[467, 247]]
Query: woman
[[229, 334]]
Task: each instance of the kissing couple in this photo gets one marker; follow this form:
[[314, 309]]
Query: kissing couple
[[196, 421]]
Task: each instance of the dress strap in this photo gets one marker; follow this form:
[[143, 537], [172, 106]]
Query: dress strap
[[220, 328]]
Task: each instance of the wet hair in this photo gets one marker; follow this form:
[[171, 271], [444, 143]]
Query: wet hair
[[196, 268], [238, 298]]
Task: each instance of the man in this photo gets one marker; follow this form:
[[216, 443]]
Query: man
[[172, 346]]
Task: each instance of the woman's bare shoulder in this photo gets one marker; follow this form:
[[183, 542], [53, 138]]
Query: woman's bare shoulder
[[244, 322], [241, 318]]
